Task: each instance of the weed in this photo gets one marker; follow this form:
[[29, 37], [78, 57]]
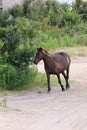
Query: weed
[[3, 103]]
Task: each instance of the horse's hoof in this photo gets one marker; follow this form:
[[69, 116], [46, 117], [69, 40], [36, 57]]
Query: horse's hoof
[[48, 90], [63, 89], [67, 87]]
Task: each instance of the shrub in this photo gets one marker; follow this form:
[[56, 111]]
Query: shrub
[[16, 11], [10, 79], [71, 18], [18, 43], [4, 18], [8, 76]]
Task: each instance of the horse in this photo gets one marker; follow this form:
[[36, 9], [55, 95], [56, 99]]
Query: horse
[[56, 64]]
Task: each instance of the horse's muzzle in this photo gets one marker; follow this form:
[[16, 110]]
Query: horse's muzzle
[[35, 62]]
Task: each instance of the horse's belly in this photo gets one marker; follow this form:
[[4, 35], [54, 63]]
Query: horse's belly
[[61, 69]]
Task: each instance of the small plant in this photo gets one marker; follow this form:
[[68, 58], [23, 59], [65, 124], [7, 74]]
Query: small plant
[[39, 91], [3, 103]]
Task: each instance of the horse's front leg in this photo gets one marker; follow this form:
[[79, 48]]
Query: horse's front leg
[[48, 81]]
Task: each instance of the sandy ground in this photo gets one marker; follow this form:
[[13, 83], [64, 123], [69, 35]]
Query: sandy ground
[[54, 111]]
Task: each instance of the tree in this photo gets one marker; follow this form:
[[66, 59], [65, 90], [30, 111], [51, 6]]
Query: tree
[[16, 11], [17, 54], [83, 10], [18, 45], [78, 4], [34, 9], [81, 7]]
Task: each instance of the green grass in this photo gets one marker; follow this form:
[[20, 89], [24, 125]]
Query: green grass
[[40, 82], [61, 39]]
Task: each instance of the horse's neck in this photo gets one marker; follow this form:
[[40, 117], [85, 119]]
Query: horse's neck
[[48, 59]]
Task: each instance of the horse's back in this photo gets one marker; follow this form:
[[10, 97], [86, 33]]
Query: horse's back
[[63, 58]]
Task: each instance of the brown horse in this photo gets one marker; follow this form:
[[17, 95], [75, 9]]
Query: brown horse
[[54, 64]]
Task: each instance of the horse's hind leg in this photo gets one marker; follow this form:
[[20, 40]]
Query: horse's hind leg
[[67, 72], [66, 76], [58, 76]]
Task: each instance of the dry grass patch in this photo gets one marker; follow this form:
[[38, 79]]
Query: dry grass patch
[[74, 51]]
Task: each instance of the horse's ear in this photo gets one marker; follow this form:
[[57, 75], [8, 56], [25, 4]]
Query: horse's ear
[[45, 50], [39, 49]]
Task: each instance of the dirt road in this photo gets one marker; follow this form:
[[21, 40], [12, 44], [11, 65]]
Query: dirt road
[[54, 111]]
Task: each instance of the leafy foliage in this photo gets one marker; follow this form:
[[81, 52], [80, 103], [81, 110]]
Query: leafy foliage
[[81, 7], [16, 11], [4, 18], [17, 43], [49, 24]]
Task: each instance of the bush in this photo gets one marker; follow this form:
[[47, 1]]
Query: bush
[[71, 18], [23, 56], [18, 45], [16, 11], [71, 41], [17, 54], [10, 79], [4, 18], [8, 76]]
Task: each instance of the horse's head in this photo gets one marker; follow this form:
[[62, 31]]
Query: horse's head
[[39, 55]]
